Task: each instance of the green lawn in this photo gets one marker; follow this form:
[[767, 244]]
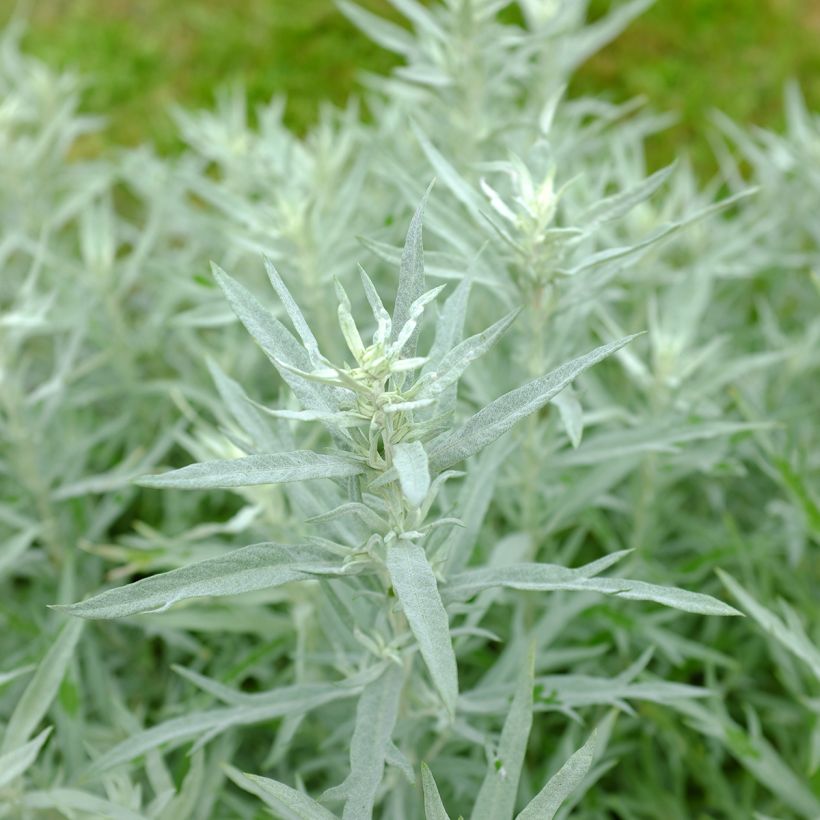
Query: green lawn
[[687, 56]]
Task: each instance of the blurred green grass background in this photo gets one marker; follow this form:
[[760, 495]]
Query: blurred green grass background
[[683, 56]]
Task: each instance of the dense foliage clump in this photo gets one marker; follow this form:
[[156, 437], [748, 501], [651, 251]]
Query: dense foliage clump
[[469, 527]]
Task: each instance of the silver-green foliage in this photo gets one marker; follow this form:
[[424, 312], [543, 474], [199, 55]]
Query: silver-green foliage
[[445, 518], [392, 461]]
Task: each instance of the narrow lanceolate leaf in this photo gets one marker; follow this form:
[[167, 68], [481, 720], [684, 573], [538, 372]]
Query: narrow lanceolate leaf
[[264, 468], [8, 677], [259, 566], [42, 688], [499, 416], [411, 277], [376, 715], [792, 636], [415, 585], [496, 798], [433, 807], [550, 577], [296, 317], [246, 415], [278, 344], [65, 802], [287, 700], [380, 314], [454, 363], [561, 785], [450, 324], [620, 204], [572, 416], [388, 35], [279, 797], [410, 461], [15, 762]]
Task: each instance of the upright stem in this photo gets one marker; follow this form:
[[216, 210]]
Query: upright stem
[[537, 314]]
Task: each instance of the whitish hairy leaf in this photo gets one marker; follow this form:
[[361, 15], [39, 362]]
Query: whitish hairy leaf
[[496, 797], [500, 415], [561, 785], [42, 688], [259, 566], [7, 677], [411, 277], [388, 35], [450, 324], [454, 363], [791, 636], [571, 415], [278, 344], [415, 585], [299, 323], [433, 807], [754, 752], [410, 461], [287, 700], [63, 801], [376, 715], [245, 414], [284, 800], [264, 468], [383, 322], [15, 762], [620, 204], [184, 803], [550, 577]]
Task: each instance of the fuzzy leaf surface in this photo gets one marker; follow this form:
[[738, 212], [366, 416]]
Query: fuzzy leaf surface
[[561, 785], [415, 585], [500, 415], [42, 688], [496, 798], [411, 277], [264, 468], [410, 461], [551, 577], [376, 715], [280, 797], [259, 566], [433, 807], [15, 762]]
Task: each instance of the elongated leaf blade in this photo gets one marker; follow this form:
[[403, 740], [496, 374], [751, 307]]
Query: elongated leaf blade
[[792, 638], [550, 578], [42, 688], [277, 703], [243, 411], [411, 277], [279, 796], [259, 566], [64, 800], [410, 461], [496, 798], [376, 715], [499, 416], [561, 785], [388, 35], [415, 585], [454, 363], [277, 342], [620, 204], [296, 316], [264, 468], [15, 762], [433, 807]]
